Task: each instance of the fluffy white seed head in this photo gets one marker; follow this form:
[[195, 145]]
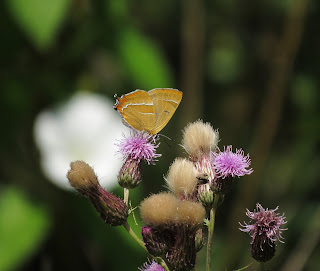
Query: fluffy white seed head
[[182, 177], [191, 213], [81, 176], [199, 139], [159, 209], [164, 210]]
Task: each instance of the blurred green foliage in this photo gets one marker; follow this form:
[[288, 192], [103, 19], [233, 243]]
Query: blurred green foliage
[[23, 227], [39, 19], [137, 50], [51, 49]]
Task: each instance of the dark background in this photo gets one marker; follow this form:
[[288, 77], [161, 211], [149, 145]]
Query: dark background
[[250, 68]]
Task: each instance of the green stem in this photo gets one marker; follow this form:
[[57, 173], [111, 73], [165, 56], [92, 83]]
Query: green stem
[[211, 230], [262, 266], [126, 195], [133, 235]]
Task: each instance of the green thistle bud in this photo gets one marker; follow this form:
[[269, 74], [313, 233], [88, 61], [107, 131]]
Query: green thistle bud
[[205, 195]]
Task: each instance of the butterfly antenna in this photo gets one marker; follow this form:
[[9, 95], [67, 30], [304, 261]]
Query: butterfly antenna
[[166, 137]]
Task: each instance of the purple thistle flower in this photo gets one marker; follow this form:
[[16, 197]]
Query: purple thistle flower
[[139, 146], [151, 266], [228, 163], [265, 220], [265, 231]]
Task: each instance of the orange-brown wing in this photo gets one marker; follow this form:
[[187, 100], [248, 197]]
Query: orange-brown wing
[[166, 101], [137, 110]]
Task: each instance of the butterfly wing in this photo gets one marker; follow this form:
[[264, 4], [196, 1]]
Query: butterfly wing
[[165, 102], [137, 110]]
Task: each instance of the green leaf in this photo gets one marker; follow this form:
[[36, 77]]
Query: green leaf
[[39, 19], [23, 226], [144, 61]]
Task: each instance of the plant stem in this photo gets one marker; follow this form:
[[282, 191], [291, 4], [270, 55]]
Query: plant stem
[[133, 235], [262, 266], [211, 230], [126, 195]]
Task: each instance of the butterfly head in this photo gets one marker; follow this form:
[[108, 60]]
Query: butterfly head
[[117, 101]]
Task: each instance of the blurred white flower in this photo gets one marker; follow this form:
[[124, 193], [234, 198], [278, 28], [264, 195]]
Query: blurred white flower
[[85, 128]]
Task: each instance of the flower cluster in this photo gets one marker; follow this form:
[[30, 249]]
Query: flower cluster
[[174, 221], [215, 169]]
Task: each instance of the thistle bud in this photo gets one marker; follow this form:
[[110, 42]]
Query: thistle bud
[[112, 210], [130, 173], [205, 195], [157, 241]]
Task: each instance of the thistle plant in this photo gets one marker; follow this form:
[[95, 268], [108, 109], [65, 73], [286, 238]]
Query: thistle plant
[[264, 231], [179, 222]]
